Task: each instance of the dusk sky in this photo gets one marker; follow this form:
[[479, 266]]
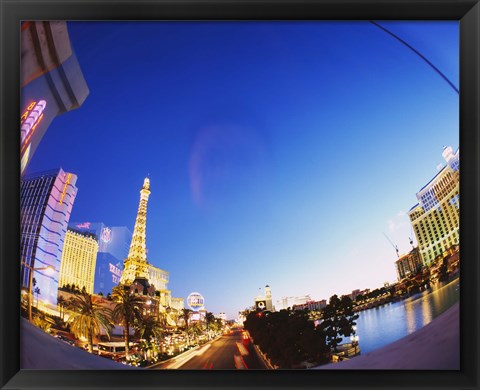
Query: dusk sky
[[278, 152]]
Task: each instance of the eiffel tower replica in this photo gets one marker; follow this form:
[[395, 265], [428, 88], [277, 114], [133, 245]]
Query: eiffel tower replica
[[135, 273]]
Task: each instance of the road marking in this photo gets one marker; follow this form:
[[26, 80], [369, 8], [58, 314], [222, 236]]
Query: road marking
[[239, 362], [201, 351], [241, 348]]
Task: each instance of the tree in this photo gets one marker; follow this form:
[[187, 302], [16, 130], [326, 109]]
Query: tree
[[338, 320], [61, 302], [126, 311], [37, 291], [148, 327], [87, 318], [210, 320], [185, 316], [42, 322], [287, 337], [443, 270]]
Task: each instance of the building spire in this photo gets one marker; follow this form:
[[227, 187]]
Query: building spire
[[136, 265]]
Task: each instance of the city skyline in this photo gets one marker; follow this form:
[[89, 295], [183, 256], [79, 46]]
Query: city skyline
[[268, 146]]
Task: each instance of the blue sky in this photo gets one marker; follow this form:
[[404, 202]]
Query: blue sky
[[278, 152]]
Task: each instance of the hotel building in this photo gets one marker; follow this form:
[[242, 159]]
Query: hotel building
[[51, 81], [408, 264], [435, 218], [46, 201], [113, 245], [78, 260]]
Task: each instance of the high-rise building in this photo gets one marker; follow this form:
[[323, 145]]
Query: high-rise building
[[435, 218], [408, 264], [136, 265], [79, 257], [46, 201], [287, 302], [113, 246], [177, 303], [264, 302], [51, 81]]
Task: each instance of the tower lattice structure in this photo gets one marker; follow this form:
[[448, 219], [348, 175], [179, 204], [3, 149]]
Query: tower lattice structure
[[136, 265]]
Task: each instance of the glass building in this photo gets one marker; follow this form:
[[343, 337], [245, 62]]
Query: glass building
[[46, 201], [113, 246]]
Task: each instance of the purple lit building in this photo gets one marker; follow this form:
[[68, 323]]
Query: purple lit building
[[46, 201], [51, 81]]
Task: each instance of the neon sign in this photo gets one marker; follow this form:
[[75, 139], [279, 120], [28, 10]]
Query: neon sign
[[106, 235], [30, 119], [196, 301], [85, 225], [116, 273], [64, 191]]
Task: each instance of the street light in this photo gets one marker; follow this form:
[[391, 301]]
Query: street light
[[354, 338], [49, 270]]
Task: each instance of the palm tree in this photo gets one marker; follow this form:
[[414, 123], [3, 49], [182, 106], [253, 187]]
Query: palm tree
[[87, 318], [185, 316], [148, 327], [126, 311], [209, 321], [37, 291], [61, 303]]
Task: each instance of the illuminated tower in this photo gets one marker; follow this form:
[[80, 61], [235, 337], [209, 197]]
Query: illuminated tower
[[136, 265]]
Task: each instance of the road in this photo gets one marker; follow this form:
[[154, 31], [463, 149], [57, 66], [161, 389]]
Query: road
[[221, 354]]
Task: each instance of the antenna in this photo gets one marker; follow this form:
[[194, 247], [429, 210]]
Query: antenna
[[390, 241]]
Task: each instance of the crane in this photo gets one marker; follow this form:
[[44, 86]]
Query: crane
[[410, 238], [390, 241]]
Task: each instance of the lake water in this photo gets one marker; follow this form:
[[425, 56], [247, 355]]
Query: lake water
[[385, 324]]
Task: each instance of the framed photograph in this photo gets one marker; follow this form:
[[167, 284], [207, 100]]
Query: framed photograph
[[239, 194]]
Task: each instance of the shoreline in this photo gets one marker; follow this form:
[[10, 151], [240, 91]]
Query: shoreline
[[436, 346]]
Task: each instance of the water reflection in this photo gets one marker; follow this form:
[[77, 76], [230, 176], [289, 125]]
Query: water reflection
[[383, 325]]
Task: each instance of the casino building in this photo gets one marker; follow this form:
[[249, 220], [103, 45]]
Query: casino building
[[264, 302], [113, 245], [46, 201], [51, 81], [435, 218], [78, 260]]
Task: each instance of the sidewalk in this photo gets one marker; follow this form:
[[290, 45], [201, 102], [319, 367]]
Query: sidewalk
[[39, 350], [436, 346]]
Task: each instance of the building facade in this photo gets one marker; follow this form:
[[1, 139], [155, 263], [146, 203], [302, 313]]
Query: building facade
[[79, 257], [46, 201], [408, 264], [264, 302], [311, 305], [51, 81], [287, 302], [113, 246], [435, 218]]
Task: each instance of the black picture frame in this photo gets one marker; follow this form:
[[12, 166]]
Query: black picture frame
[[13, 12]]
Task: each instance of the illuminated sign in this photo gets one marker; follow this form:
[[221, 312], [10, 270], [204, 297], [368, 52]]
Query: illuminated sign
[[64, 191], [106, 235], [30, 119], [116, 273], [195, 301], [85, 225], [23, 162]]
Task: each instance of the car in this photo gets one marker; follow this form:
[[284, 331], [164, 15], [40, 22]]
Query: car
[[94, 347], [64, 339]]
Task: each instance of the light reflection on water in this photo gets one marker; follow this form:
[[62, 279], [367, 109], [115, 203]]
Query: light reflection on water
[[385, 324]]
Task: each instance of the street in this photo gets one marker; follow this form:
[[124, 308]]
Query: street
[[221, 354]]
